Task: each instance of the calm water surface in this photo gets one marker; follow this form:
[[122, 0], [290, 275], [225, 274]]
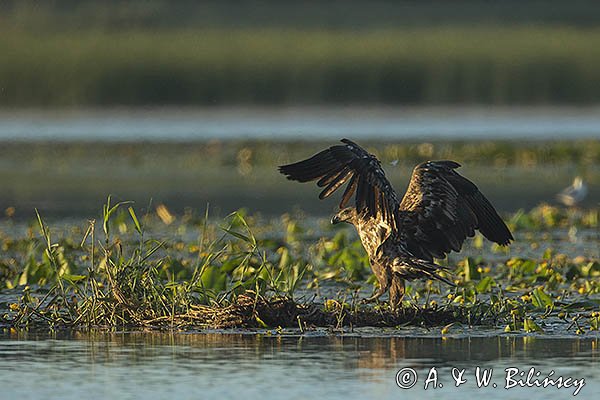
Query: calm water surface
[[195, 366], [309, 123]]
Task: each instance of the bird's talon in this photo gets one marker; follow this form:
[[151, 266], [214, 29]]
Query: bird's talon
[[372, 299], [391, 226]]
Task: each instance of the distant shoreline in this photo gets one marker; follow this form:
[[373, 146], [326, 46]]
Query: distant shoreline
[[422, 65]]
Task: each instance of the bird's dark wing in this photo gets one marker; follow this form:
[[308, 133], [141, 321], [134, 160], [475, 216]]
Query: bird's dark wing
[[442, 208], [349, 163]]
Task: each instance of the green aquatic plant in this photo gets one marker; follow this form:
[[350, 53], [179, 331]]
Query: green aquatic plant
[[125, 271], [546, 216], [134, 282]]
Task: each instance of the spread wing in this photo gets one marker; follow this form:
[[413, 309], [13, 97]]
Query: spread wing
[[438, 212], [442, 208], [349, 163]]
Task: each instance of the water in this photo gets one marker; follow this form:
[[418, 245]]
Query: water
[[194, 366], [261, 366], [308, 123], [68, 181]]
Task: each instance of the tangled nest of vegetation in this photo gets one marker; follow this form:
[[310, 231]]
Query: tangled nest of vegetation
[[250, 310], [254, 311]]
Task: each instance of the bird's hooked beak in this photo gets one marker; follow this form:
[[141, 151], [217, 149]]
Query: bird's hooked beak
[[345, 215]]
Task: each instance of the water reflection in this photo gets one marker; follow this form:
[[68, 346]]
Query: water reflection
[[152, 365], [367, 352]]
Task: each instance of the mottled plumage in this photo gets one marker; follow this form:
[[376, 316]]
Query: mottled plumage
[[402, 237]]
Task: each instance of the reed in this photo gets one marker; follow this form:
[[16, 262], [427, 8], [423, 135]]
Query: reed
[[414, 65]]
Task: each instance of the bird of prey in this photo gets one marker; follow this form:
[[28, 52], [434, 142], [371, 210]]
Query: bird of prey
[[574, 194], [439, 210]]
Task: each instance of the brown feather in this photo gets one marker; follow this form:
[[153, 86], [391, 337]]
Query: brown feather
[[439, 210]]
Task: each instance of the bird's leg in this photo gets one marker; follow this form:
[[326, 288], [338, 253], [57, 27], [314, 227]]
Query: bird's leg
[[396, 291], [378, 293], [384, 278]]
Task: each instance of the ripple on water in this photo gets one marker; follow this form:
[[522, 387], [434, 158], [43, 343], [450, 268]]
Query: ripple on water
[[156, 366]]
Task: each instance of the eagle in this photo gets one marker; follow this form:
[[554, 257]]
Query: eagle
[[439, 210]]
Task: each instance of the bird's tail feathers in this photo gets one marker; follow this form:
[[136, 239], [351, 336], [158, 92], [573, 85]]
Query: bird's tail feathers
[[414, 268]]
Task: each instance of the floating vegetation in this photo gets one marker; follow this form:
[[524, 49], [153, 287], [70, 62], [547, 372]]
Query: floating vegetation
[[165, 271], [250, 154], [546, 216], [70, 178]]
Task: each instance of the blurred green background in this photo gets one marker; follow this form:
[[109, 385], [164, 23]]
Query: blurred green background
[[158, 52], [79, 81]]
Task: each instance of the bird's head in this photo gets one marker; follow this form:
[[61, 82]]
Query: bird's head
[[345, 215]]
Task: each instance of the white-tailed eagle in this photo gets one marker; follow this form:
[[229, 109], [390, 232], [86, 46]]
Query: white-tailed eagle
[[438, 212]]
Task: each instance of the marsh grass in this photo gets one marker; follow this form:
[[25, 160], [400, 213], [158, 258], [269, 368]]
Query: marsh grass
[[136, 283], [243, 272], [257, 154], [415, 65]]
